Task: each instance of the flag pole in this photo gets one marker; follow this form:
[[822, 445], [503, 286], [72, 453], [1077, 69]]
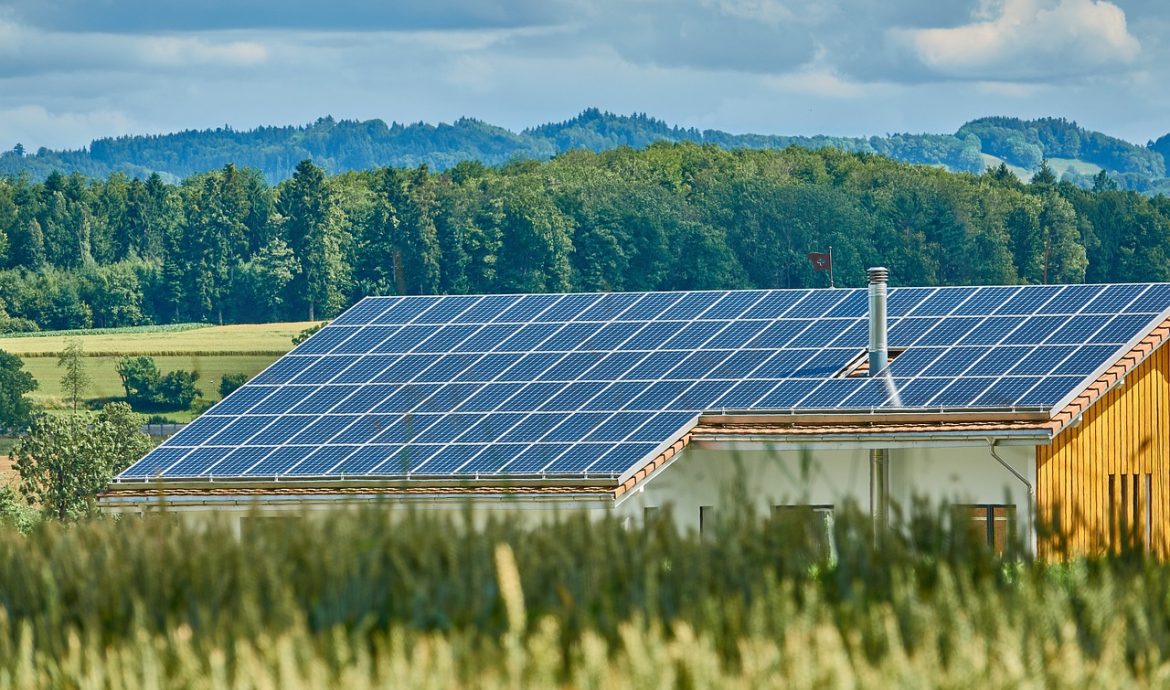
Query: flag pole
[[831, 266]]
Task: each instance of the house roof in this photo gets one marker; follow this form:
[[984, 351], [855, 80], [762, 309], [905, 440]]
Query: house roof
[[489, 391]]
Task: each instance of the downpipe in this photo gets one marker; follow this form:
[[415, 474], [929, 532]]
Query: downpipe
[[1031, 495]]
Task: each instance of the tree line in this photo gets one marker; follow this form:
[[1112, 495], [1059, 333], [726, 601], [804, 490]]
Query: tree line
[[344, 145], [225, 246]]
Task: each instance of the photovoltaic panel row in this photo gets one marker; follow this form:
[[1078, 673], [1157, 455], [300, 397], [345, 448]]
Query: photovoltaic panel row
[[415, 343], [619, 373], [757, 304]]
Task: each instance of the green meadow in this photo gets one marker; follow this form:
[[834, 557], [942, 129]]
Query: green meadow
[[212, 351]]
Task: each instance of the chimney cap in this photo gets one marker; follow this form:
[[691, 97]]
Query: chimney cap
[[878, 274]]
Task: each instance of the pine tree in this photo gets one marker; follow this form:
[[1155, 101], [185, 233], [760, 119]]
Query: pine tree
[[314, 226]]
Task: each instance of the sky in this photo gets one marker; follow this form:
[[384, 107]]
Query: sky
[[75, 70]]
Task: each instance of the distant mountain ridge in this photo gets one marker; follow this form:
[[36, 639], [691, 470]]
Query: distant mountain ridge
[[340, 145]]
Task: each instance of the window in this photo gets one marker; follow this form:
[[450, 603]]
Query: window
[[1131, 511], [706, 518], [812, 523], [991, 523]]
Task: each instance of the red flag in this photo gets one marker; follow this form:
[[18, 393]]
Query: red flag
[[821, 262]]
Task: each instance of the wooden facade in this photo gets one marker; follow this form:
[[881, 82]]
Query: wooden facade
[[1104, 482]]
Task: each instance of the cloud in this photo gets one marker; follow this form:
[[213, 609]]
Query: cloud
[[752, 36], [154, 16], [177, 50], [37, 126], [818, 82], [72, 70], [27, 50], [771, 12], [1027, 40]]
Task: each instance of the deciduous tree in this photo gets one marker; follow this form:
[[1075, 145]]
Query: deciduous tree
[[15, 408], [63, 462]]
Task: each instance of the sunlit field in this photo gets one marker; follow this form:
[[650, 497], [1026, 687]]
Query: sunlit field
[[362, 600], [212, 351]]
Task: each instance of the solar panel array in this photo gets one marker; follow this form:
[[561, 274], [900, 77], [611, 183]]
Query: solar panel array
[[594, 384]]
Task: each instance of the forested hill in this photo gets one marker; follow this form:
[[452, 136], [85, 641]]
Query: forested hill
[[1075, 154], [226, 246]]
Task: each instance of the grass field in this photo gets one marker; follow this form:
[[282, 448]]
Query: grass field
[[343, 600], [264, 338], [211, 351], [990, 161], [1059, 166]]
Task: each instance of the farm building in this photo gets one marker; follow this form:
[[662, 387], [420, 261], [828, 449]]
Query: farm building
[[1009, 401]]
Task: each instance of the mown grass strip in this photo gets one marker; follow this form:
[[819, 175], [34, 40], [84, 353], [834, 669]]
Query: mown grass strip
[[166, 328], [166, 353], [209, 340]]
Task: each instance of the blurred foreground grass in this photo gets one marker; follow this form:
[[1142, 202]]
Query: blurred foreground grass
[[366, 598]]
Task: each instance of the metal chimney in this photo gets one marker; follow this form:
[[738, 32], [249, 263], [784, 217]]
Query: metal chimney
[[879, 458], [878, 349]]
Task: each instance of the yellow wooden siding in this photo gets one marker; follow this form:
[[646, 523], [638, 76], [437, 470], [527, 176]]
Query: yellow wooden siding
[[1124, 434]]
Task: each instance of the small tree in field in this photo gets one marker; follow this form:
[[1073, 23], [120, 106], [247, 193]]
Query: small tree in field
[[64, 462], [75, 381], [15, 409]]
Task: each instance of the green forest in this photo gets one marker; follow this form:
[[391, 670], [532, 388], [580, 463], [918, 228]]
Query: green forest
[[348, 145], [227, 247]]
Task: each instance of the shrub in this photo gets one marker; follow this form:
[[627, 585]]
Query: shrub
[[308, 333], [147, 389], [230, 382], [176, 390]]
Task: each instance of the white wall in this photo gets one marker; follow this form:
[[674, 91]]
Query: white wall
[[526, 512], [772, 476], [708, 476]]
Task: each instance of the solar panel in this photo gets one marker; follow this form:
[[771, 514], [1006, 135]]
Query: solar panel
[[485, 309], [365, 429], [327, 339], [365, 340], [238, 461], [532, 427], [1152, 301], [242, 429], [902, 301], [589, 384], [446, 368], [489, 427], [321, 461], [364, 459], [366, 368], [198, 461], [941, 302], [1045, 359], [242, 399], [986, 300], [1113, 299], [534, 458], [1026, 302], [489, 460], [278, 461], [743, 395]]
